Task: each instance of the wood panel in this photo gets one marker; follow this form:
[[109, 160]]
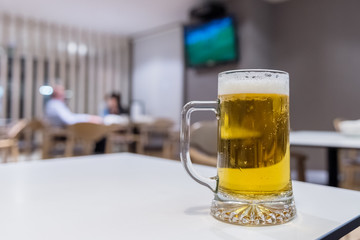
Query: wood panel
[[108, 65], [80, 94], [72, 68], [28, 51], [62, 55], [15, 66], [100, 81], [4, 63], [124, 83], [39, 99], [91, 99], [36, 53], [117, 65], [51, 52]]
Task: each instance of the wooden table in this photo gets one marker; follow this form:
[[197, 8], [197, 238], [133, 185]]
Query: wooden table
[[129, 196], [332, 141]]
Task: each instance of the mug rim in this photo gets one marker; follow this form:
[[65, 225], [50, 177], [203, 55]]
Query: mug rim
[[253, 70]]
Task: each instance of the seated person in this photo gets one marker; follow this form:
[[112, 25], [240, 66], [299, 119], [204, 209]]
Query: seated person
[[113, 105], [59, 115], [113, 112]]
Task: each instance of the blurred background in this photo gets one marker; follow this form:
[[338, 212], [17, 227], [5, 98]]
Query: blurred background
[[152, 55]]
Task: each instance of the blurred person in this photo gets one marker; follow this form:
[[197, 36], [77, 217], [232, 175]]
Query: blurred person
[[113, 105], [113, 112], [58, 113]]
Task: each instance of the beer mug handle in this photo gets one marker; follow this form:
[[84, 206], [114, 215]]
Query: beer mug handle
[[185, 140]]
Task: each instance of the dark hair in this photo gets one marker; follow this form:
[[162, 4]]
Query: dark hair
[[117, 96]]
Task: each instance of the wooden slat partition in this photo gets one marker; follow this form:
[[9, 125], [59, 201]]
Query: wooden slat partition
[[125, 75], [39, 55], [108, 65], [29, 61], [62, 55], [4, 63], [35, 53], [92, 73], [99, 82], [117, 66], [80, 96], [51, 52], [72, 48], [15, 67]]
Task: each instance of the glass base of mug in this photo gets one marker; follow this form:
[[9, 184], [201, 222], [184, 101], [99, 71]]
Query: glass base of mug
[[254, 212]]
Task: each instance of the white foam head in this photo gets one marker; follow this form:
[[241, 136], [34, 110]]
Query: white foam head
[[253, 81]]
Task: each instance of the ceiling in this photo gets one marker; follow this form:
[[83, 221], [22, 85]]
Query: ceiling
[[126, 17]]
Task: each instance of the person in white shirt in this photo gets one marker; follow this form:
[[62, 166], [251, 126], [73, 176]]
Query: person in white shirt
[[59, 115]]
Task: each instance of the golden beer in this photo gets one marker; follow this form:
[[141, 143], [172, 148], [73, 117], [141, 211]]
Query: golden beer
[[253, 185], [254, 145]]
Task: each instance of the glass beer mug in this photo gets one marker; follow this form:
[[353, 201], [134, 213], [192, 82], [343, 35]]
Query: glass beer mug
[[253, 185]]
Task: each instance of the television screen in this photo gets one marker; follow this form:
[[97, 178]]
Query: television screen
[[211, 43]]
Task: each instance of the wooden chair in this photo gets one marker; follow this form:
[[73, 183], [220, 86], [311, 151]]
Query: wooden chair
[[154, 137], [31, 135], [203, 143], [122, 135], [87, 134], [54, 141], [349, 162], [300, 160], [10, 142], [172, 146], [9, 146]]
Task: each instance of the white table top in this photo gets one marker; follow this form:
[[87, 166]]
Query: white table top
[[323, 139], [128, 196]]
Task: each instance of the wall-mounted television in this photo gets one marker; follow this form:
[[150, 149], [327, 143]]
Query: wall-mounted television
[[211, 43]]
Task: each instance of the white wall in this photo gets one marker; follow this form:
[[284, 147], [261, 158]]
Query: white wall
[[322, 54], [158, 73], [318, 43]]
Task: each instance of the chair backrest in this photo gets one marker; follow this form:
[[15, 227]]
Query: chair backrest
[[159, 129], [88, 131], [349, 155], [163, 122], [35, 125], [15, 131], [30, 133], [120, 127], [11, 140], [87, 134], [203, 136], [160, 125]]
